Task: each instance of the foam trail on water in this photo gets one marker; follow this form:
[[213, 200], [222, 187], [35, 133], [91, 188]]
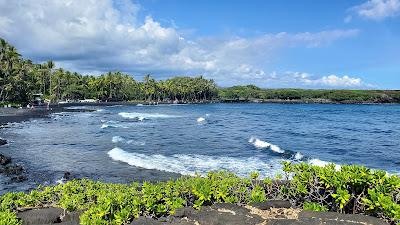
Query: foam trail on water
[[112, 124], [76, 107], [117, 139], [142, 116], [258, 143], [136, 142], [276, 148], [189, 164], [201, 120], [263, 144]]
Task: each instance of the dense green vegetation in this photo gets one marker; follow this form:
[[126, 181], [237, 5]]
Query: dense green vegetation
[[352, 189], [20, 78], [251, 92]]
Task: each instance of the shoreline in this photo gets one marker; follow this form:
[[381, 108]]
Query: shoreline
[[11, 115]]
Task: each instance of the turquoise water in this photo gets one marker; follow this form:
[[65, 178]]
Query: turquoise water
[[125, 143]]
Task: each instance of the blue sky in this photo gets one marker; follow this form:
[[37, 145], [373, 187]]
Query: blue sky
[[306, 44]]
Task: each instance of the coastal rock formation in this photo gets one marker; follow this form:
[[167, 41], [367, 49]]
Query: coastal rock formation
[[49, 216], [3, 142], [12, 170], [4, 160], [16, 172], [217, 214]]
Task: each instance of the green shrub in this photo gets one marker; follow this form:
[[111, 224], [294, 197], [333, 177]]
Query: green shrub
[[9, 218], [350, 189], [314, 207]]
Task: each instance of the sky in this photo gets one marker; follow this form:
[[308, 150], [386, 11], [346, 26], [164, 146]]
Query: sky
[[339, 44]]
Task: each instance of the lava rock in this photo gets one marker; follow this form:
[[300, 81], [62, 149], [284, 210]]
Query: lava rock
[[3, 142], [225, 213], [339, 218], [4, 160], [41, 216], [19, 178], [12, 170], [150, 221], [71, 218], [183, 212], [271, 204]]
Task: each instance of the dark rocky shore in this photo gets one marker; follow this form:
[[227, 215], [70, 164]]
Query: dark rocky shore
[[269, 213], [13, 170]]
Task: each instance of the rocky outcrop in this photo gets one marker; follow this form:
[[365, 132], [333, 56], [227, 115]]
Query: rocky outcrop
[[217, 214], [16, 172], [50, 215], [3, 142], [258, 214], [4, 160]]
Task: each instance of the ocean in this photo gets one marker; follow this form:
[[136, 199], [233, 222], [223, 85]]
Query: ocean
[[136, 143]]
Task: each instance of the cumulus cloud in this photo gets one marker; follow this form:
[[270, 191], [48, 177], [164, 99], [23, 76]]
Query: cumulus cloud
[[378, 9], [328, 81], [101, 35]]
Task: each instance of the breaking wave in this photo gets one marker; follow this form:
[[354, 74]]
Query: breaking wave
[[112, 124], [117, 139], [201, 120], [263, 144], [136, 142], [189, 164], [142, 116], [298, 156], [293, 156]]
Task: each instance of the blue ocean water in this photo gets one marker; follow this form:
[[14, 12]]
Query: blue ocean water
[[126, 143]]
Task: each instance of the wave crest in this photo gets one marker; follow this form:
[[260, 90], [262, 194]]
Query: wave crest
[[263, 144], [190, 164], [142, 116]]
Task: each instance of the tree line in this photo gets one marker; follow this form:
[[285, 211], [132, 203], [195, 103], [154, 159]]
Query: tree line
[[251, 92], [21, 78]]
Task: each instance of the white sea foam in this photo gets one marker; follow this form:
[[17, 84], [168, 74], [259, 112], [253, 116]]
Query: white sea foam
[[321, 163], [298, 156], [263, 144], [139, 105], [258, 143], [61, 181], [276, 148], [112, 124], [190, 164], [142, 116], [76, 107], [133, 142], [201, 120], [117, 139]]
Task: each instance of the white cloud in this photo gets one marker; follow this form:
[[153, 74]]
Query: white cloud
[[329, 81], [103, 35], [378, 9]]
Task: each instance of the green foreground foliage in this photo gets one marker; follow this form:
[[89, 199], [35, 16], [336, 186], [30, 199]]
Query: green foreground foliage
[[352, 189]]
